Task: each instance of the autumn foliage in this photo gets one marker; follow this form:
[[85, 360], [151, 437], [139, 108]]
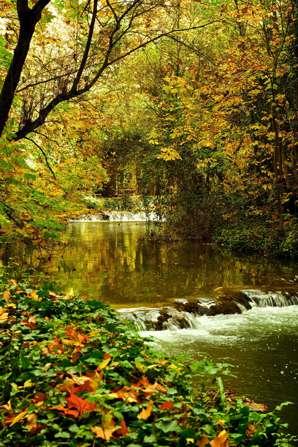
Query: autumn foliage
[[79, 375]]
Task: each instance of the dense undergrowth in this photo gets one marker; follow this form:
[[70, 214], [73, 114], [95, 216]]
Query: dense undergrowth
[[73, 374]]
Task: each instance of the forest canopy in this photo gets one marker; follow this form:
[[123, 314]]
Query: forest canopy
[[191, 105]]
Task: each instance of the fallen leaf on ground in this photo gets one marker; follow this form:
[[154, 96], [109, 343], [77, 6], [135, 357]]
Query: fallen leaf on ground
[[6, 295], [166, 405], [107, 429], [203, 442], [14, 419], [221, 440], [146, 412]]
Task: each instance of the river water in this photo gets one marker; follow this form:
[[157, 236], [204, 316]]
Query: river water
[[115, 263]]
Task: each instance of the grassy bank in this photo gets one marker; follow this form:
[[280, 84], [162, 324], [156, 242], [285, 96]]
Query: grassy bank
[[73, 374]]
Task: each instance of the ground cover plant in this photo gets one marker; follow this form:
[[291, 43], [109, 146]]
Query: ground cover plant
[[74, 374]]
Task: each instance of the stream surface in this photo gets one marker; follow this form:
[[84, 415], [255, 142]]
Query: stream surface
[[115, 263]]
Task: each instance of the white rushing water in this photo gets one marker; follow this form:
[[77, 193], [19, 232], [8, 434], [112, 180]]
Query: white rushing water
[[251, 326], [119, 216]]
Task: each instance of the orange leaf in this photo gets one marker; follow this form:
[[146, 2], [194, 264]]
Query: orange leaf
[[146, 412], [76, 406], [203, 442], [166, 405], [148, 388], [221, 440], [126, 393], [80, 404]]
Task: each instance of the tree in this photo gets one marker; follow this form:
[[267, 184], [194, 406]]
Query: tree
[[100, 34]]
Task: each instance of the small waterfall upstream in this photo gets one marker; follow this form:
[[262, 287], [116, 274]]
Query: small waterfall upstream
[[119, 216], [187, 314]]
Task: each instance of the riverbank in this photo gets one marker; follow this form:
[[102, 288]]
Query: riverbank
[[74, 374]]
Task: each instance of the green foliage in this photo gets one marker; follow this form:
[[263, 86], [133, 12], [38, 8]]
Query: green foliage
[[257, 236], [73, 373]]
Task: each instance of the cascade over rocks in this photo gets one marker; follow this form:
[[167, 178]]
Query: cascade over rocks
[[185, 313]]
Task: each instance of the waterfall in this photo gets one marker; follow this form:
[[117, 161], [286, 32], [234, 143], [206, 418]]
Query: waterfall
[[271, 299], [119, 216], [188, 314]]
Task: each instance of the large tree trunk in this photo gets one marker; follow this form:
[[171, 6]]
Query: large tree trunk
[[28, 19]]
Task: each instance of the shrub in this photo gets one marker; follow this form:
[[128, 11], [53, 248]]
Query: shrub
[[73, 374]]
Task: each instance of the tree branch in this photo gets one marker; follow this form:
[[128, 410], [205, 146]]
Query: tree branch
[[44, 155], [87, 48], [31, 125]]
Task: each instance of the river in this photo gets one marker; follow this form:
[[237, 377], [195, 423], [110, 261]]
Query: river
[[115, 263]]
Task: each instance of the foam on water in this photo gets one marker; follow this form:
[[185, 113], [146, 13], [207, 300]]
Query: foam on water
[[251, 326], [119, 216]]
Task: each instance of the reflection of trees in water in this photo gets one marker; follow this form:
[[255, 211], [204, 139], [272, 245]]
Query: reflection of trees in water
[[116, 262]]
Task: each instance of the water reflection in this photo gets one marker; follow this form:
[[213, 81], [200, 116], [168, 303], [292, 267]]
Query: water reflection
[[114, 262]]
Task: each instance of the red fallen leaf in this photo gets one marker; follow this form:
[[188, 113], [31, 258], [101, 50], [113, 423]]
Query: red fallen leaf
[[143, 382], [76, 406], [123, 430], [80, 404], [166, 405], [38, 397], [77, 385]]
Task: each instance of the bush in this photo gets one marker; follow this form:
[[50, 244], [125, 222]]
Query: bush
[[73, 374]]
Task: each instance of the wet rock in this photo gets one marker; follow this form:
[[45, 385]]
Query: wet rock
[[229, 307], [228, 299], [170, 317], [195, 307]]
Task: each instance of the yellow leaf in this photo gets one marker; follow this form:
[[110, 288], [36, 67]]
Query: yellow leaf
[[6, 295], [18, 418], [105, 362], [169, 154], [98, 431], [3, 315], [107, 429], [34, 296], [146, 412]]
